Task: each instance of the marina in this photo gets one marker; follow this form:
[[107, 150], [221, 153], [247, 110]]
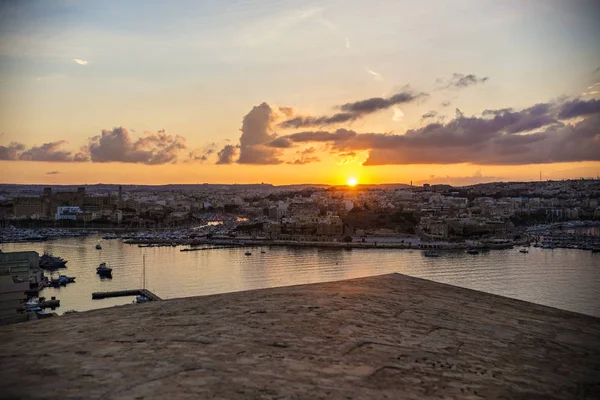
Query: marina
[[562, 278]]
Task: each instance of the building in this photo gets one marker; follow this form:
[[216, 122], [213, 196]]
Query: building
[[68, 212], [19, 272]]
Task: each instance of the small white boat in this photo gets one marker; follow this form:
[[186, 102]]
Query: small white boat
[[524, 251]]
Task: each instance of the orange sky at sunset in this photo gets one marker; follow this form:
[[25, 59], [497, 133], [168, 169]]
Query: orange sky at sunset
[[290, 93]]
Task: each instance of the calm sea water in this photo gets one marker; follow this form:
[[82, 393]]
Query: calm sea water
[[563, 278]]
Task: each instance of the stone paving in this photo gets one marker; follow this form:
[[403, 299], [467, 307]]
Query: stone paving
[[390, 336]]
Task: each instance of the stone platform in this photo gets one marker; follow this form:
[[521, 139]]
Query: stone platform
[[389, 336]]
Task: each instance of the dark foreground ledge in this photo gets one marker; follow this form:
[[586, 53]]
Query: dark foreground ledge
[[389, 336]]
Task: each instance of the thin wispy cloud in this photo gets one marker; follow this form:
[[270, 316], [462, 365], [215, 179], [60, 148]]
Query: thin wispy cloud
[[348, 43], [80, 62], [375, 75]]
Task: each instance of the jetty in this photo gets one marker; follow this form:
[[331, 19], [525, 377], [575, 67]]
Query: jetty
[[384, 337], [124, 293]]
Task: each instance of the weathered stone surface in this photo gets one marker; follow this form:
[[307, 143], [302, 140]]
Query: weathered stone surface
[[390, 336]]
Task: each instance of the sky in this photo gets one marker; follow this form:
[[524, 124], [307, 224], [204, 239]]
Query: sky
[[289, 92]]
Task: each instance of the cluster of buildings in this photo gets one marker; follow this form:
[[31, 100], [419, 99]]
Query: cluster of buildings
[[319, 213]]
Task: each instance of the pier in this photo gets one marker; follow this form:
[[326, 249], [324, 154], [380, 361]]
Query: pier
[[123, 293]]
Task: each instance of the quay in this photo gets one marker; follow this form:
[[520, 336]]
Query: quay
[[123, 293], [389, 336]]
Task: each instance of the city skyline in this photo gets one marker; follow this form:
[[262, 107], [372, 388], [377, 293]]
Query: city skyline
[[250, 92]]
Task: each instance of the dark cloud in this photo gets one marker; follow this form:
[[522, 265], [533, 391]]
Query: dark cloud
[[318, 121], [306, 157], [355, 110], [497, 137], [47, 152], [578, 108], [116, 145], [227, 154], [378, 103], [429, 115], [257, 131], [459, 81], [12, 151], [281, 143], [52, 172]]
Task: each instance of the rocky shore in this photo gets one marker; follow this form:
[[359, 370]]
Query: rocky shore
[[389, 336]]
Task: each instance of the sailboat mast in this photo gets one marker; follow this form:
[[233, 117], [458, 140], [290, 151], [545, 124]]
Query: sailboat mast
[[144, 273]]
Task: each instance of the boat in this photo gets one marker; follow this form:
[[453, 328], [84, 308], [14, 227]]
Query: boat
[[98, 246], [48, 261], [103, 270], [524, 251], [141, 299], [248, 253], [430, 253], [473, 251], [32, 306], [262, 252]]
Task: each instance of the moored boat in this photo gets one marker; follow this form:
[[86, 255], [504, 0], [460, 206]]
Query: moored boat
[[473, 251], [104, 270], [48, 261], [430, 253]]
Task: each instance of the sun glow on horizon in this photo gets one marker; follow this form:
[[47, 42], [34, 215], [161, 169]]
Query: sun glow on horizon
[[352, 181]]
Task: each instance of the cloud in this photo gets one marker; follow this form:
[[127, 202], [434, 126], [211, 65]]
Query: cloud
[[306, 157], [597, 70], [348, 43], [459, 81], [376, 75], [47, 152], [257, 131], [354, 110], [398, 114], [577, 108], [593, 86], [12, 151], [501, 137], [204, 154], [116, 145], [80, 62], [53, 172], [474, 179], [227, 154], [445, 104], [429, 115]]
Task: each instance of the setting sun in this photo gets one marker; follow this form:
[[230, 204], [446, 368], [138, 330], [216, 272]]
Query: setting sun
[[352, 181]]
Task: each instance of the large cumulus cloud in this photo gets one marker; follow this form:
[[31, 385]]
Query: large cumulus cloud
[[116, 145]]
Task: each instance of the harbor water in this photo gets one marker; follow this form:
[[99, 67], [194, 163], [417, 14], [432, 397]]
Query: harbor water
[[568, 279]]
